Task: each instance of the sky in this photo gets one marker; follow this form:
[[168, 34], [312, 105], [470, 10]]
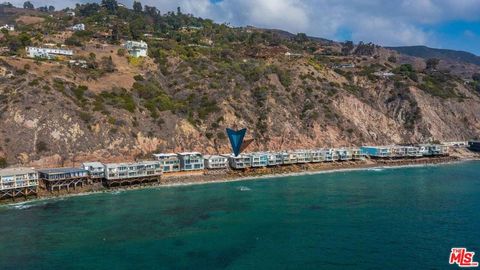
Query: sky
[[447, 24]]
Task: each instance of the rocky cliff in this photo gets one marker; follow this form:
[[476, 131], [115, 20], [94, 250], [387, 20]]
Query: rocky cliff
[[290, 92]]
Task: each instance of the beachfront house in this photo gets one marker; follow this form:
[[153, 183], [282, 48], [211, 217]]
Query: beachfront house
[[215, 162], [289, 157], [137, 48], [343, 154], [401, 151], [63, 178], [190, 161], [357, 154], [303, 156], [474, 146], [274, 159], [377, 151], [456, 144], [329, 154], [96, 170], [47, 53], [317, 155], [258, 159], [16, 182], [132, 170], [239, 162], [168, 161], [433, 149]]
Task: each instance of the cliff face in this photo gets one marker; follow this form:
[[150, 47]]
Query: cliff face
[[184, 97]]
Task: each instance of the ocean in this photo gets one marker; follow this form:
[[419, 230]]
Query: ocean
[[392, 218]]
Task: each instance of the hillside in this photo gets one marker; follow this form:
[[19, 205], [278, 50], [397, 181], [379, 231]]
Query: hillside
[[443, 54], [200, 77]]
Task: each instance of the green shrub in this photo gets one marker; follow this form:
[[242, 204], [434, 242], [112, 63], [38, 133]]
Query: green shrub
[[121, 52], [41, 146], [138, 78], [3, 162], [121, 99], [439, 84], [86, 117]]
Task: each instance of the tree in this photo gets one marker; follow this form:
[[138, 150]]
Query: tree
[[3, 162], [137, 6], [28, 5], [6, 4], [88, 9], [476, 77], [179, 11], [51, 8], [152, 11], [301, 37], [392, 59], [347, 47], [432, 63], [110, 5]]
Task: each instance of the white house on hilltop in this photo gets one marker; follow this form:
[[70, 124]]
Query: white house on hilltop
[[136, 48], [47, 53], [7, 27], [78, 27]]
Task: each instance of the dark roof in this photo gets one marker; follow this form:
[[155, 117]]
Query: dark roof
[[61, 170]]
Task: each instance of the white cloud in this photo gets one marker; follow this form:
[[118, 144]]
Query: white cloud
[[397, 22]]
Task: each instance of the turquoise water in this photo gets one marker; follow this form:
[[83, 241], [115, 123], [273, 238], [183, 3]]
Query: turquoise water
[[406, 218]]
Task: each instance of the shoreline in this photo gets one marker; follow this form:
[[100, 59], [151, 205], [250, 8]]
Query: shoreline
[[256, 174]]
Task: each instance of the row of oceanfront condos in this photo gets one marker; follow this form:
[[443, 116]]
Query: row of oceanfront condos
[[25, 181]]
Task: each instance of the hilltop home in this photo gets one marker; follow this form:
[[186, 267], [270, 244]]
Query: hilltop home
[[47, 53], [258, 159], [96, 170], [190, 161], [344, 66], [169, 162], [7, 27], [377, 151], [383, 74], [137, 48], [63, 178], [241, 161], [292, 54], [215, 162], [18, 182], [78, 27]]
